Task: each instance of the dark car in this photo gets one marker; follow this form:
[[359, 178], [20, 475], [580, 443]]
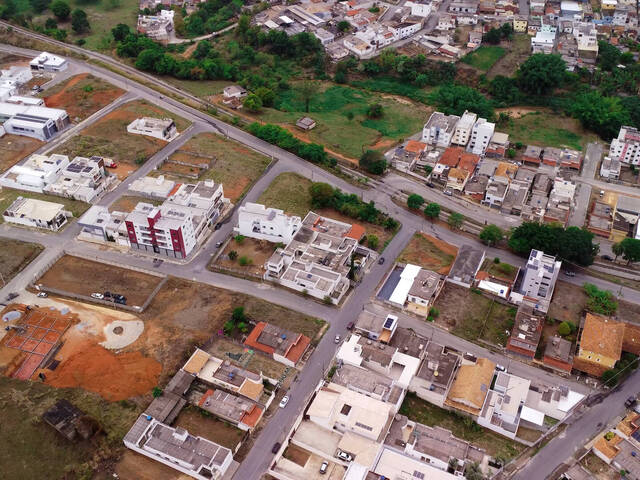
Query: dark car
[[276, 447], [609, 258], [350, 325], [380, 260], [107, 294], [218, 226], [630, 402]]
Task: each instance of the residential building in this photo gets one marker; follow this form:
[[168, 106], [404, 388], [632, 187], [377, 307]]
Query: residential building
[[369, 383], [626, 148], [526, 332], [539, 279], [376, 327], [496, 192], [41, 123], [586, 36], [239, 411], [257, 221], [560, 201], [154, 187], [600, 219], [457, 179], [424, 291], [178, 449], [599, 344], [625, 219], [71, 422], [500, 287], [481, 135], [439, 129], [37, 172], [498, 145], [420, 8], [504, 403], [161, 128], [532, 154], [558, 354], [435, 376], [520, 24], [471, 385], [30, 212], [515, 198], [46, 62], [157, 27], [610, 169], [406, 157], [394, 465], [233, 95], [325, 36], [318, 259], [555, 402], [466, 266], [463, 6], [99, 225], [543, 42], [542, 184], [285, 346], [462, 132], [82, 179]]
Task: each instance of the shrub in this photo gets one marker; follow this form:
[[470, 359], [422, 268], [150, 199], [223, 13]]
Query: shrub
[[244, 261], [564, 329], [434, 312], [232, 255], [156, 392], [496, 260], [373, 242], [414, 201], [373, 161], [239, 239]]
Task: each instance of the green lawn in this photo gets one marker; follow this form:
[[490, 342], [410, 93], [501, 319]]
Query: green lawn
[[331, 109], [289, 192], [461, 426], [548, 129], [484, 57], [9, 195]]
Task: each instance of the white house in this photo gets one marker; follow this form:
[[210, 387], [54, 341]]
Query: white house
[[439, 129], [37, 122], [539, 280], [35, 173], [626, 148], [271, 224], [15, 76], [46, 62], [162, 128], [36, 213]]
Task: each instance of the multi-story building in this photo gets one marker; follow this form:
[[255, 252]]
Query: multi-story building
[[271, 224], [626, 147], [481, 135], [83, 179], [35, 173], [586, 36], [504, 404], [38, 122], [36, 213], [156, 27], [462, 132], [439, 129], [539, 280], [526, 332]]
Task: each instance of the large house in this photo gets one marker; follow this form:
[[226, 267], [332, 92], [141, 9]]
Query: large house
[[599, 344], [285, 346], [30, 212], [38, 122], [471, 386], [271, 224]]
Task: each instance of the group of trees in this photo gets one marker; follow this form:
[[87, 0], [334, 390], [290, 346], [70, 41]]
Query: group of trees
[[373, 161], [211, 16], [572, 244], [629, 248], [495, 35], [454, 99], [324, 195], [238, 320], [281, 137]]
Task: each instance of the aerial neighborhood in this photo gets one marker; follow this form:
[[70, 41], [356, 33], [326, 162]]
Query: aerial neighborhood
[[320, 239]]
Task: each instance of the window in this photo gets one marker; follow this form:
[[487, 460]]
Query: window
[[366, 427], [345, 409], [418, 474]]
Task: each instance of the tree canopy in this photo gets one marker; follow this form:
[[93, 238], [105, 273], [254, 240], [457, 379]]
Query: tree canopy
[[373, 161], [540, 74], [455, 99], [491, 234], [414, 201]]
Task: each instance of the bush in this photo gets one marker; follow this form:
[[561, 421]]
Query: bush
[[600, 301], [232, 255], [244, 261], [434, 312], [373, 242], [564, 329], [238, 315], [281, 137], [239, 239], [375, 110], [496, 260], [156, 392]]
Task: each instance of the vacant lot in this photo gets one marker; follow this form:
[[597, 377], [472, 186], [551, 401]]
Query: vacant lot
[[14, 148], [517, 51], [127, 203], [83, 277], [429, 252], [108, 137], [484, 57], [200, 423], [235, 166], [14, 256], [290, 192], [29, 445], [341, 116], [428, 414], [250, 255], [473, 316], [221, 347], [500, 270], [599, 469], [9, 195], [81, 96], [548, 129], [569, 302]]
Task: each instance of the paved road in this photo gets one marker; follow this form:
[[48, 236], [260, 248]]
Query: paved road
[[581, 203]]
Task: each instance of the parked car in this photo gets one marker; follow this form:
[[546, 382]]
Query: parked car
[[350, 325], [344, 456], [99, 296], [218, 226], [570, 273], [324, 467], [448, 192], [218, 244], [608, 258], [107, 294], [12, 295], [630, 402], [276, 447], [121, 300], [380, 260], [501, 368], [42, 295], [284, 401], [337, 339]]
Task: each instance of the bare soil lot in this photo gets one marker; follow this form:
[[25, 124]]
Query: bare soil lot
[[14, 148], [569, 302], [250, 252], [197, 422], [16, 255], [429, 252], [81, 95], [83, 277]]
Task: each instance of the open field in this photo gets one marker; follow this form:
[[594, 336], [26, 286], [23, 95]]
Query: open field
[[429, 252], [258, 363], [200, 423], [257, 252], [127, 203], [81, 96], [108, 136], [548, 129], [290, 192], [28, 444], [9, 195], [502, 270], [200, 88], [484, 57], [14, 256], [431, 415], [473, 316], [236, 166], [517, 51], [331, 110], [83, 277], [14, 148]]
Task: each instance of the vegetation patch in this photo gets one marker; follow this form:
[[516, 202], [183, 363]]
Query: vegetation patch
[[14, 256], [484, 57], [429, 252]]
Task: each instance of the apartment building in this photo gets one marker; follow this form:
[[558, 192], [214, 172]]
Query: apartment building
[[271, 224], [539, 280], [481, 135], [161, 128], [439, 129], [30, 212], [626, 148], [462, 132]]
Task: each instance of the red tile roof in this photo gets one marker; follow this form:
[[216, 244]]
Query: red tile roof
[[356, 232]]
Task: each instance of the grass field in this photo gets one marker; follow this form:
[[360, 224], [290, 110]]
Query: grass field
[[14, 256], [29, 445], [236, 166], [516, 52], [484, 57], [548, 129], [8, 196], [431, 415], [429, 252], [334, 130]]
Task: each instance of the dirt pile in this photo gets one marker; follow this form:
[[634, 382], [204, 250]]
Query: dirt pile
[[115, 377]]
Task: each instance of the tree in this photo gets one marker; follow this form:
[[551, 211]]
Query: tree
[[61, 9], [50, 24], [156, 392], [602, 114], [306, 91], [564, 329], [375, 110], [617, 250], [511, 153], [267, 96], [373, 161], [120, 32], [630, 250], [228, 327], [79, 21], [455, 99], [321, 194], [238, 315], [415, 201], [491, 234], [493, 36], [455, 220], [372, 241], [473, 472], [344, 26], [540, 74], [39, 6], [432, 211], [253, 103]]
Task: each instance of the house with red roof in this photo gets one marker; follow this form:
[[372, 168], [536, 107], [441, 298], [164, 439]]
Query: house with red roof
[[283, 345]]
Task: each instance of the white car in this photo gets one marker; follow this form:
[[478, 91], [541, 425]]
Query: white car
[[42, 295], [337, 339], [284, 401], [99, 296]]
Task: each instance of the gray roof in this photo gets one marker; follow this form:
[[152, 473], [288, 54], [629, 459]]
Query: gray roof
[[467, 264], [439, 365]]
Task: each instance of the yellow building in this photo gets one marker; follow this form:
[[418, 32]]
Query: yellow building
[[600, 344], [520, 24]]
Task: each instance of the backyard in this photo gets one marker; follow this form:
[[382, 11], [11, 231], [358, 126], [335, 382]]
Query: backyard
[[9, 195], [81, 96], [201, 423], [127, 203], [569, 302], [501, 270], [246, 255], [429, 252], [461, 426], [484, 57], [14, 256], [290, 192]]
